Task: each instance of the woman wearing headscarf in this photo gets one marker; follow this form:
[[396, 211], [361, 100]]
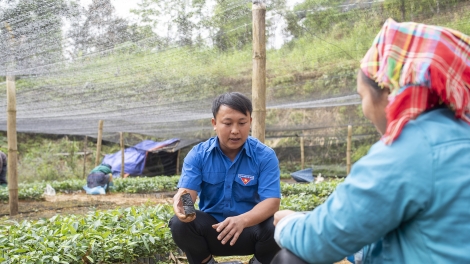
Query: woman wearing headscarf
[[408, 199]]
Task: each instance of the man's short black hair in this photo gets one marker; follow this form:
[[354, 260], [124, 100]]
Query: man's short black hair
[[106, 164], [235, 100]]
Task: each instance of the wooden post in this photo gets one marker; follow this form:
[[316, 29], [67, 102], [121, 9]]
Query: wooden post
[[121, 141], [178, 162], [259, 70], [403, 10], [348, 150], [302, 153], [302, 145], [12, 146], [84, 157], [98, 143]]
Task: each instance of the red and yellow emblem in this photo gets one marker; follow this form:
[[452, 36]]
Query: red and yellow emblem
[[246, 178]]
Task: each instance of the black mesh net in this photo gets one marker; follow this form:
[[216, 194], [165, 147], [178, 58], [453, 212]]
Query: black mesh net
[[153, 69]]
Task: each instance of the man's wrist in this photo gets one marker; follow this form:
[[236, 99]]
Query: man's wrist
[[242, 219]]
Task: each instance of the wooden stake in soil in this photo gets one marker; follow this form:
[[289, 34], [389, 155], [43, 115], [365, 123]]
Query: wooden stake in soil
[[259, 70], [121, 141], [302, 145], [348, 150], [84, 156], [98, 143], [12, 146], [302, 153], [178, 163]]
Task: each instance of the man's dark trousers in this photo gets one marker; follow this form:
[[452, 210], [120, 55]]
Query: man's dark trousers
[[199, 240]]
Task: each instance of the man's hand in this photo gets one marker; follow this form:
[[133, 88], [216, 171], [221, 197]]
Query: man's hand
[[178, 207], [230, 229], [281, 214]]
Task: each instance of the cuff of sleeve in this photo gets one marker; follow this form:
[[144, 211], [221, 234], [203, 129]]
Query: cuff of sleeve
[[262, 198], [283, 223], [189, 186]]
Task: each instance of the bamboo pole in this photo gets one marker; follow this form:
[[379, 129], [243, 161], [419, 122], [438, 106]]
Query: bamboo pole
[[98, 143], [302, 153], [12, 146], [348, 150], [85, 157], [121, 141], [402, 10], [302, 145], [259, 70], [178, 162]]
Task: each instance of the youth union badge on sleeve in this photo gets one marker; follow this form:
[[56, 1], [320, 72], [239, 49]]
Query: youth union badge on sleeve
[[246, 178]]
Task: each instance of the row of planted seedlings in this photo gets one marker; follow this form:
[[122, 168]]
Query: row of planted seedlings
[[35, 191], [120, 235], [111, 236]]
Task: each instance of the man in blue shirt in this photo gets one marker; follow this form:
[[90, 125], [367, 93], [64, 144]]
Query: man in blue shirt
[[237, 180]]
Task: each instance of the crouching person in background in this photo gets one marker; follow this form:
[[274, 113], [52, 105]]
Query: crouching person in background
[[237, 179], [99, 179], [3, 169]]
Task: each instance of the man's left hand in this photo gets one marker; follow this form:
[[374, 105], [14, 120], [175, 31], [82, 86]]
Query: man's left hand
[[230, 228]]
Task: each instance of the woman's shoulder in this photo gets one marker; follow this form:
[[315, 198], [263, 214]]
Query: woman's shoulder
[[440, 126]]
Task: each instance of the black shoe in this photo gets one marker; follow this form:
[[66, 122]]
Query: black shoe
[[253, 260], [212, 261]]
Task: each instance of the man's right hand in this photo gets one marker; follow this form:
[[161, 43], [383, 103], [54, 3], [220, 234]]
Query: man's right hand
[[178, 205]]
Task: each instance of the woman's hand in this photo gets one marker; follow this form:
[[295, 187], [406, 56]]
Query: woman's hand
[[281, 214]]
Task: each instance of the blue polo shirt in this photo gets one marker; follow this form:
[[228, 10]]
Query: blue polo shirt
[[227, 188]]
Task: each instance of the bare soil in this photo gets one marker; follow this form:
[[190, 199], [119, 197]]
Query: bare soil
[[82, 203]]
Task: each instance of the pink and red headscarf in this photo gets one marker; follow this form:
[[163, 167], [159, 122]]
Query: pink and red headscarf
[[423, 66]]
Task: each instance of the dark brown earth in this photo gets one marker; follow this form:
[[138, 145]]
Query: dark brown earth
[[81, 203]]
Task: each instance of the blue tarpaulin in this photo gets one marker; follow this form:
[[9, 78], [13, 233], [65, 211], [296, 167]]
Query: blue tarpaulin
[[134, 157], [305, 175]]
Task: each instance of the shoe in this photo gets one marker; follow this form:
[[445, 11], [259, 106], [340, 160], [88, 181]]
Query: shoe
[[253, 260], [212, 261]]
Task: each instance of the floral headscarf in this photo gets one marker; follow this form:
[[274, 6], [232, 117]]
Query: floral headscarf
[[423, 66]]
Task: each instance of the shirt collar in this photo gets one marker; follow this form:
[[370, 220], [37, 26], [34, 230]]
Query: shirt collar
[[216, 144]]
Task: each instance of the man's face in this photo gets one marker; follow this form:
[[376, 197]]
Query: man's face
[[232, 128]]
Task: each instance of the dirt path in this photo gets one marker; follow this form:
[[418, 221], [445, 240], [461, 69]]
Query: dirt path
[[81, 203], [116, 198]]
